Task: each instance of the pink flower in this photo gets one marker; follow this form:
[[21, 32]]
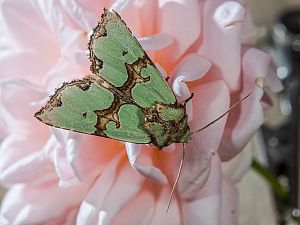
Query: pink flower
[[59, 177]]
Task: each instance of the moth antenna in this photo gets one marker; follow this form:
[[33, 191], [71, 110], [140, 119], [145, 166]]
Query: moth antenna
[[177, 178], [220, 117]]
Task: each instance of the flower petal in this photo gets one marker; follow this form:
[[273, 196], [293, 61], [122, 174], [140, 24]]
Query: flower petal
[[151, 172], [191, 68], [206, 208], [177, 27], [104, 199], [223, 20], [84, 17], [210, 101], [30, 205], [244, 121], [240, 164], [22, 93], [33, 169], [155, 41], [229, 202]]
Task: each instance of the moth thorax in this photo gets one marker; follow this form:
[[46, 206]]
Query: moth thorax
[[167, 124]]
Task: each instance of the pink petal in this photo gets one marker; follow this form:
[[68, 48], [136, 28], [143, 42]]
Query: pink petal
[[93, 156], [174, 215], [120, 5], [11, 154], [206, 208], [244, 121], [156, 41], [19, 96], [185, 35], [19, 21], [137, 160], [223, 20], [191, 68], [90, 207], [105, 199], [61, 72], [30, 205], [242, 124], [95, 6], [133, 214], [62, 154], [84, 17], [229, 203], [63, 169], [138, 13], [210, 101], [71, 39], [34, 168], [240, 164]]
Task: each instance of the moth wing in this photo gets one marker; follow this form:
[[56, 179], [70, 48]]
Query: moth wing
[[117, 57], [87, 107]]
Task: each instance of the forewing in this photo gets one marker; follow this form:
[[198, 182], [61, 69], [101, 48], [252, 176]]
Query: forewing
[[87, 107], [117, 57]]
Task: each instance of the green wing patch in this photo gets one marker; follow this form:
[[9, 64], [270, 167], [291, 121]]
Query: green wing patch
[[117, 57], [87, 107]]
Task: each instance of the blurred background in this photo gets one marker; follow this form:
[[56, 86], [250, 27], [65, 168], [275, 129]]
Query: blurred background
[[277, 143]]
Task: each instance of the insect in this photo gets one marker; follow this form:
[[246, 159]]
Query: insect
[[125, 98]]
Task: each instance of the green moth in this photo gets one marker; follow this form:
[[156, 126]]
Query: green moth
[[125, 98]]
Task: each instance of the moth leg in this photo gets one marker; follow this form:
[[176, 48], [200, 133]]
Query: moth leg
[[189, 98]]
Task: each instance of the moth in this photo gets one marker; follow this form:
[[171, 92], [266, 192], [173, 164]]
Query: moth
[[125, 98]]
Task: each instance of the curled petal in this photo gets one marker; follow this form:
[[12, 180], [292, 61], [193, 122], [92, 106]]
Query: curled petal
[[210, 101], [223, 20], [244, 121], [182, 92], [229, 14], [151, 172], [191, 68], [242, 125], [156, 41]]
